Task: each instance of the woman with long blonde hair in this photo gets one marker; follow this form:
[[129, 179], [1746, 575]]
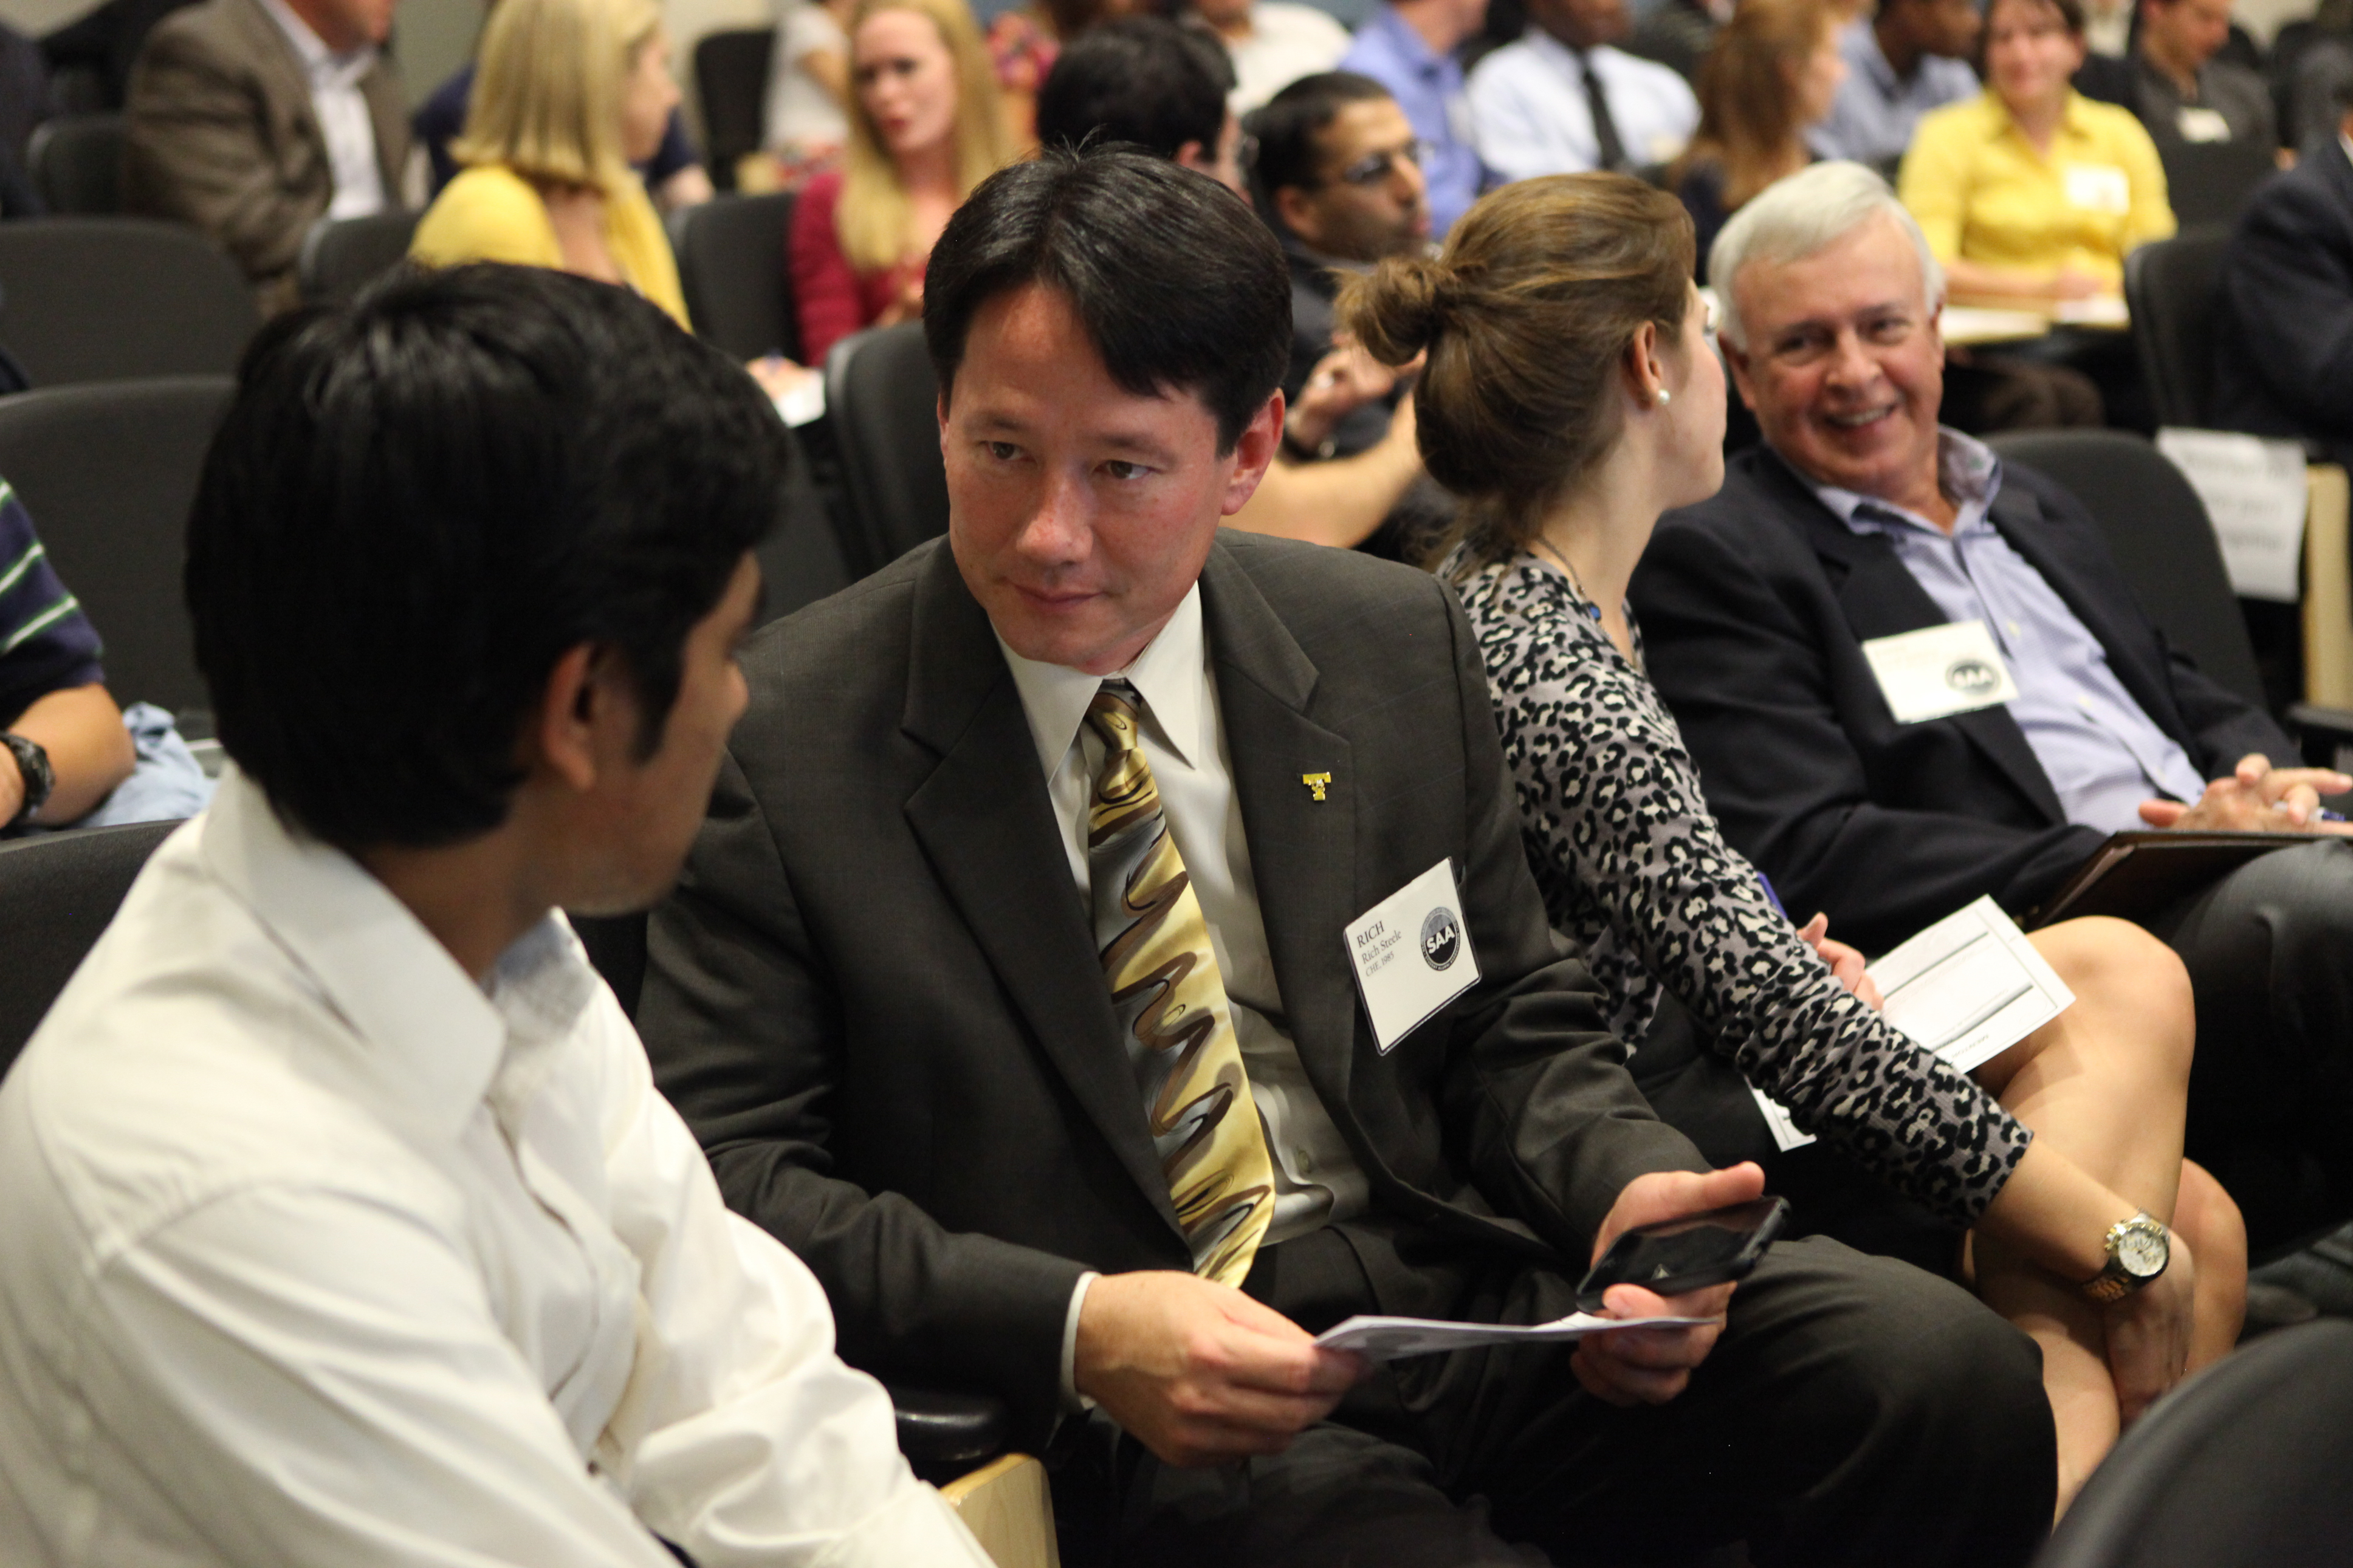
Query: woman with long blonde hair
[[571, 93], [1773, 71], [926, 125]]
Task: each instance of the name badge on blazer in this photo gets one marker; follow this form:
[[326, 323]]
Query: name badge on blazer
[[1939, 671], [2098, 187], [2200, 124], [1412, 952]]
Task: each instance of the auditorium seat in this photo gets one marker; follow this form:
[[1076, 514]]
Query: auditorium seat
[[342, 255], [2170, 288], [76, 164], [105, 298], [2211, 182], [2245, 1464], [58, 891], [731, 264], [731, 84], [108, 472], [881, 401]]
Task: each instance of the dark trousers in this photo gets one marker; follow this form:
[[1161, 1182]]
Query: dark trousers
[[1856, 1410], [2270, 953]]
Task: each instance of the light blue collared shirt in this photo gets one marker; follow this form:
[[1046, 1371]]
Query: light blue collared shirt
[[2102, 755], [1429, 86], [1872, 119]]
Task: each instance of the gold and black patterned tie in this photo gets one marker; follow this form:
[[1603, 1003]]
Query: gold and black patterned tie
[[1171, 1003]]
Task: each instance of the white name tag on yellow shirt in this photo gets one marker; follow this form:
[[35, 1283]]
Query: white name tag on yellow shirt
[[2098, 187], [1939, 671], [1412, 955]]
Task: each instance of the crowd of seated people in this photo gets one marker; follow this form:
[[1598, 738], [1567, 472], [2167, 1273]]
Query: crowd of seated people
[[1341, 491]]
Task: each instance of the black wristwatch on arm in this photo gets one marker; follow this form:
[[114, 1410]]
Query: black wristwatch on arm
[[33, 762]]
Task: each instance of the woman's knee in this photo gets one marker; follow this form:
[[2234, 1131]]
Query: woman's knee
[[2132, 982]]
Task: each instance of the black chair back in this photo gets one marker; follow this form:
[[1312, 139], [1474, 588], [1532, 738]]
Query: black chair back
[[58, 891], [76, 162], [731, 81], [2171, 288], [108, 472], [85, 299], [2245, 1463], [2158, 531], [730, 263], [2211, 182], [342, 255], [883, 400]]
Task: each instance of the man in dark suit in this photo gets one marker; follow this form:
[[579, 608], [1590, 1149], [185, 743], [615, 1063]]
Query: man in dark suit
[[253, 118], [1861, 519], [2286, 303], [1090, 778]]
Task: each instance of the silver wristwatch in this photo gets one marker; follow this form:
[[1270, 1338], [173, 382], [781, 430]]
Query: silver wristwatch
[[2139, 1251]]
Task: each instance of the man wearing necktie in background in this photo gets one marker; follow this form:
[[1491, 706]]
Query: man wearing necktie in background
[[1009, 985], [1564, 100]]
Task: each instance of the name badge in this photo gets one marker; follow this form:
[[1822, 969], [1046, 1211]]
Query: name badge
[[2196, 125], [1939, 671], [1412, 955], [2098, 187]]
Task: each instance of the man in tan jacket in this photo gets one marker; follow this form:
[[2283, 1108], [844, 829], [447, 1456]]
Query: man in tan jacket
[[253, 118]]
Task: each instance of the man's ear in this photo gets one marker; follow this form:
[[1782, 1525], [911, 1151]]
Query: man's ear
[[1736, 360], [1194, 156], [1298, 214], [1254, 449], [563, 733]]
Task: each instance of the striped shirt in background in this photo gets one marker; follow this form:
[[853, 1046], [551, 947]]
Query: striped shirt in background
[[47, 644]]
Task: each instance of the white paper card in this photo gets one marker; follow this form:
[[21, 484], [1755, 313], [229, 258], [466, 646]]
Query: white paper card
[[1939, 670], [1786, 1134], [1970, 986], [2254, 492], [1412, 955], [1385, 1339], [804, 403], [2198, 123], [2097, 187]]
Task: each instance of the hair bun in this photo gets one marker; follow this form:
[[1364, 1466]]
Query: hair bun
[[1399, 309]]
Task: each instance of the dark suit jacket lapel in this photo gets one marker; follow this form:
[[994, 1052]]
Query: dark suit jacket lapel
[[984, 818], [1303, 850], [2018, 515], [1881, 598]]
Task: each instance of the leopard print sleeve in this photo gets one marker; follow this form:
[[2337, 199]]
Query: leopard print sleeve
[[1632, 865]]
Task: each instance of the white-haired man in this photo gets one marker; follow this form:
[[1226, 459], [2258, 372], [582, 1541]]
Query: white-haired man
[[1862, 519]]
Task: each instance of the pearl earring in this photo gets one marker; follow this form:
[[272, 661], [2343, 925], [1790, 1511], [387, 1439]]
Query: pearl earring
[[1663, 397]]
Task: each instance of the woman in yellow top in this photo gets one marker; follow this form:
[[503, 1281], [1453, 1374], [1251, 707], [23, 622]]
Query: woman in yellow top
[[2032, 190], [570, 94]]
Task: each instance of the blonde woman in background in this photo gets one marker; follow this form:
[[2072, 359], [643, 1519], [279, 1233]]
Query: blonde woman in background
[[570, 94], [926, 125]]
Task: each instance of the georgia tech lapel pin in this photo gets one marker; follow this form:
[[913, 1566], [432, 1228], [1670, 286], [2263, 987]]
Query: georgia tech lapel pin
[[1319, 782]]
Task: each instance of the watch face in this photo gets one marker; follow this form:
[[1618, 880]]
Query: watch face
[[2142, 1251]]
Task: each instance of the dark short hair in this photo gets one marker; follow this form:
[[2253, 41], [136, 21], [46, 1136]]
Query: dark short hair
[[2071, 14], [1179, 285], [418, 502], [1140, 79], [1286, 129]]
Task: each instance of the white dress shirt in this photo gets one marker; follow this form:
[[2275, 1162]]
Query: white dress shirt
[[1286, 42], [319, 1252], [343, 112], [1529, 114], [1316, 1179]]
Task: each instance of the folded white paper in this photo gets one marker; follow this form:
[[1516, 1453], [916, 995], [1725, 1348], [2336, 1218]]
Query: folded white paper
[[1385, 1339], [2254, 492]]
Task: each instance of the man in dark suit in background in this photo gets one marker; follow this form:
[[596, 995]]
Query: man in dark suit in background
[[2286, 302], [253, 118], [1860, 519], [1010, 984]]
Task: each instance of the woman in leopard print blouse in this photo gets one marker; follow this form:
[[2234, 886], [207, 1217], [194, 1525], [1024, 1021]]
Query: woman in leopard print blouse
[[1571, 396]]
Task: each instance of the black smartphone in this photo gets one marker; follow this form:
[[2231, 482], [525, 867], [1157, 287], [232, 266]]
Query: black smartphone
[[1679, 1255]]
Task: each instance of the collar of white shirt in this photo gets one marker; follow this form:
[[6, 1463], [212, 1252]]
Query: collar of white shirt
[[1545, 46], [429, 1039], [325, 68], [1171, 675]]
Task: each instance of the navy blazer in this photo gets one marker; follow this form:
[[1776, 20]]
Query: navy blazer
[[1754, 605], [2283, 327]]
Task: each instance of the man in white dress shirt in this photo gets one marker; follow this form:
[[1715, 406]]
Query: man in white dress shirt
[[253, 118], [344, 1222], [1563, 100], [1272, 43]]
